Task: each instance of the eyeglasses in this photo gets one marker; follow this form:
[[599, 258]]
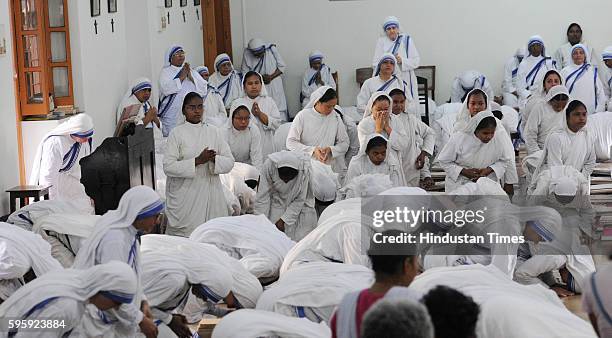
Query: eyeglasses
[[193, 107]]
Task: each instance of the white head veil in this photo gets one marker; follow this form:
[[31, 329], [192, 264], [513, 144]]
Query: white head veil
[[115, 280], [264, 91], [137, 85], [170, 52], [584, 49], [372, 100], [316, 96]]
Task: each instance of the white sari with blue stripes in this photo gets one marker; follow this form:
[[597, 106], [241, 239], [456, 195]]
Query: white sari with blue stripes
[[584, 84], [404, 47]]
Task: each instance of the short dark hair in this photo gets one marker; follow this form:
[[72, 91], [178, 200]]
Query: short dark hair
[[287, 172], [376, 142], [549, 73], [329, 95], [190, 96], [453, 314], [397, 91], [384, 264], [251, 73], [498, 114], [573, 106], [487, 122], [573, 24]]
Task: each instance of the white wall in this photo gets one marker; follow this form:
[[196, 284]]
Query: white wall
[[9, 170], [452, 35]]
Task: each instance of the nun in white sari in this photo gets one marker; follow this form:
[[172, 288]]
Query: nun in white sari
[[465, 153], [374, 158], [605, 72], [285, 195], [56, 162], [176, 80], [317, 75], [313, 290], [266, 60], [226, 80], [319, 132], [582, 80], [28, 215], [252, 239], [242, 136], [532, 68], [248, 323], [385, 79], [265, 113], [570, 143], [196, 154], [116, 237], [20, 251], [467, 81], [63, 296], [65, 232], [402, 48], [545, 117], [563, 55], [509, 86], [391, 127], [175, 267], [551, 78], [147, 114], [600, 125]]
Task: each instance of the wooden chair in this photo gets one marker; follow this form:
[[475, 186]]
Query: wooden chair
[[428, 72], [362, 74], [423, 97]]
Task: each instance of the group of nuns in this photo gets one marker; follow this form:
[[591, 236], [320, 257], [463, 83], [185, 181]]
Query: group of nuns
[[260, 209]]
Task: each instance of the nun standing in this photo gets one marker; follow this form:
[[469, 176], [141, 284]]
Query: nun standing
[[57, 159], [319, 131], [402, 48], [532, 68], [266, 60], [226, 79], [176, 80], [317, 75], [582, 80]]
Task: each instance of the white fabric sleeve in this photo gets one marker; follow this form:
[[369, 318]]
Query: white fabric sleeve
[[280, 63], [448, 157], [224, 160], [174, 167], [274, 117], [508, 85], [294, 138], [530, 134], [363, 97], [341, 143], [262, 198], [589, 163], [428, 136], [255, 148], [294, 209], [456, 91]]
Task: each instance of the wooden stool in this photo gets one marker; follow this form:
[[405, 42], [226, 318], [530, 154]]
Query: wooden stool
[[23, 192]]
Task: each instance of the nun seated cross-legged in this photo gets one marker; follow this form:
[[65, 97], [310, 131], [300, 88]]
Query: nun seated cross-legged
[[476, 151], [319, 132], [252, 239], [62, 296], [196, 154], [56, 162], [313, 290], [24, 256], [285, 195], [265, 114], [404, 52], [176, 80]]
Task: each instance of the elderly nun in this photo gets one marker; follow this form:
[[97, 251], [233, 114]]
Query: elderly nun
[[467, 81], [196, 154], [285, 194], [242, 136], [403, 50], [317, 75], [385, 79], [22, 251], [226, 80], [252, 239], [533, 67], [176, 80], [319, 132], [266, 60], [264, 112], [56, 162], [509, 86], [138, 96], [116, 237], [583, 82], [62, 296], [606, 75]]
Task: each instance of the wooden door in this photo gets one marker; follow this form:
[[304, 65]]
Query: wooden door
[[217, 30]]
